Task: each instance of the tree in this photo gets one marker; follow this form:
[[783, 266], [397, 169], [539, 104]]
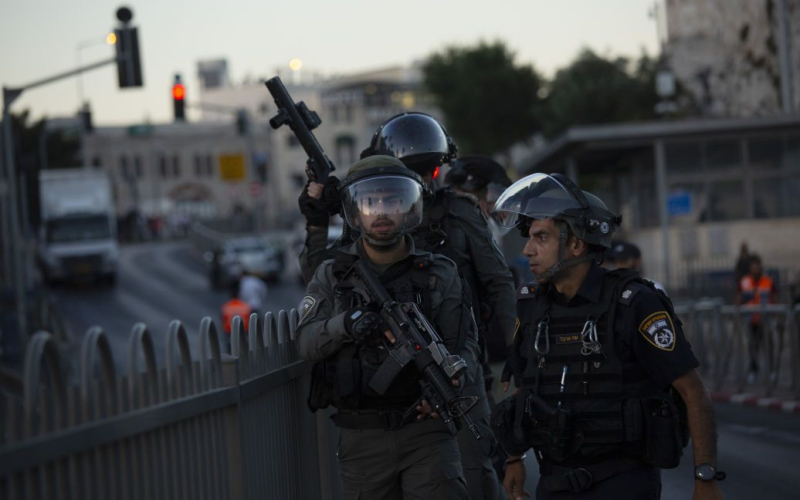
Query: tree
[[593, 90], [489, 102]]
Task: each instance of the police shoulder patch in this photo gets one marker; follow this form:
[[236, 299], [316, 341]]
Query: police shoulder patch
[[659, 330], [306, 304], [526, 291]]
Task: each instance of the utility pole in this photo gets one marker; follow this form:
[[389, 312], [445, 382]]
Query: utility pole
[[785, 54]]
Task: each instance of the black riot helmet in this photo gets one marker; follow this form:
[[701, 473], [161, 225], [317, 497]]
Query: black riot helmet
[[555, 196], [474, 173], [416, 139]]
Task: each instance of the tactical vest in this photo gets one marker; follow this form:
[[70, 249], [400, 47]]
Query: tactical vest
[[583, 402], [440, 233], [342, 381]]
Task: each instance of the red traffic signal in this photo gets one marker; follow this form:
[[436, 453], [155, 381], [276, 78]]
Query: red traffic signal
[[178, 92]]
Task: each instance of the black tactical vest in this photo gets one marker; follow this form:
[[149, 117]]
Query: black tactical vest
[[440, 233], [583, 402], [343, 380]]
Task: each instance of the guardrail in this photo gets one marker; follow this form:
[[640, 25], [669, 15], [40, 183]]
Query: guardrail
[[721, 334], [217, 426]]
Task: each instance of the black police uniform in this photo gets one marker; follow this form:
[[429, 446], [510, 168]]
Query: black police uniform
[[608, 428]]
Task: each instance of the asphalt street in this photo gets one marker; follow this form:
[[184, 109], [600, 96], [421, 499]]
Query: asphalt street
[[757, 448], [157, 283], [160, 282]]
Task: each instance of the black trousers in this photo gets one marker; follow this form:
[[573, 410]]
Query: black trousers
[[641, 483]]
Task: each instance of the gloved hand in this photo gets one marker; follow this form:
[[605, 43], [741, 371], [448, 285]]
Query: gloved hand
[[311, 206], [362, 324], [515, 365]]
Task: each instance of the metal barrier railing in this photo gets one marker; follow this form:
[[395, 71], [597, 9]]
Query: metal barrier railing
[[723, 341], [214, 427]]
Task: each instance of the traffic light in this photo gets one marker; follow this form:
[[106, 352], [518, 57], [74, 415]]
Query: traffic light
[[129, 66], [178, 99]]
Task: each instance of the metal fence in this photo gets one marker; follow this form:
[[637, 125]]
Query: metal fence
[[721, 338], [216, 427]]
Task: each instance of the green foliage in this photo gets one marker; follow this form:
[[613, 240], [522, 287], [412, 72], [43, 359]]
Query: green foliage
[[489, 102], [594, 90], [62, 150]]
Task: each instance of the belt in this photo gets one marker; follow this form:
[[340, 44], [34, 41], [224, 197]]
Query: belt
[[558, 478], [388, 420]]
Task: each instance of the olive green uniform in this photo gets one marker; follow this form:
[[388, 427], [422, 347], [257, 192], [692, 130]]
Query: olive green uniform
[[420, 459], [455, 227]]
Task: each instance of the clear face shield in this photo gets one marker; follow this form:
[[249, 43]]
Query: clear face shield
[[383, 206], [537, 196]]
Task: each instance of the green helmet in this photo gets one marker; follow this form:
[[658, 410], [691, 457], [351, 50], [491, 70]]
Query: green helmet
[[382, 199]]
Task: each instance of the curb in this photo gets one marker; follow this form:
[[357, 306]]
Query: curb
[[746, 399]]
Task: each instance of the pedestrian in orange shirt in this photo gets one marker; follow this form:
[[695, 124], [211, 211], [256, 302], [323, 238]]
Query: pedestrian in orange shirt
[[755, 288]]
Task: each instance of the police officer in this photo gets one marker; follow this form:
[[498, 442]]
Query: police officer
[[607, 374], [386, 449], [453, 225]]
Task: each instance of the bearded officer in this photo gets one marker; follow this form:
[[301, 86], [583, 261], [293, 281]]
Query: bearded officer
[[386, 448], [609, 381]]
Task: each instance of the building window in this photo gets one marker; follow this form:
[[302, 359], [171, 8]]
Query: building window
[[766, 153], [683, 157], [723, 154], [96, 162], [199, 167], [162, 166], [209, 166], [345, 150], [778, 197], [176, 166], [123, 166], [348, 113], [724, 201], [137, 165]]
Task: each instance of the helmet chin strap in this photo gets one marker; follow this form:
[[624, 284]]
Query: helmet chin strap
[[384, 245], [562, 263]]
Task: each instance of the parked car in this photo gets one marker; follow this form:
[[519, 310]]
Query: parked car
[[249, 254]]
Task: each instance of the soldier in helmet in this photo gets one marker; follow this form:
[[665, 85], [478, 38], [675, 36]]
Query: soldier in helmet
[[386, 448], [608, 380], [454, 226]]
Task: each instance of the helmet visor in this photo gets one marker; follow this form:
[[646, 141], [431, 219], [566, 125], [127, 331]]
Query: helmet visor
[[538, 196], [383, 205]]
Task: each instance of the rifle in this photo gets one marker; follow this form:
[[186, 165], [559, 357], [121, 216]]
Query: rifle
[[417, 341], [302, 121]]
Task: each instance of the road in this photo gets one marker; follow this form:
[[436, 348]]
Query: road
[[758, 449], [157, 283]]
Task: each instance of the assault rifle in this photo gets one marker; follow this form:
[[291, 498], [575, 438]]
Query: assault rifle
[[417, 341], [302, 121]]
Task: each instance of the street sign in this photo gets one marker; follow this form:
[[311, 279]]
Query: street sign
[[231, 167], [679, 203]]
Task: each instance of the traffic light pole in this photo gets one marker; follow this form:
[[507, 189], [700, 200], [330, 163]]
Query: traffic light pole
[[12, 231]]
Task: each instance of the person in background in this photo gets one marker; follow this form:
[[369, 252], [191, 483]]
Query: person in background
[[755, 288], [626, 255], [742, 263], [232, 308], [253, 290]]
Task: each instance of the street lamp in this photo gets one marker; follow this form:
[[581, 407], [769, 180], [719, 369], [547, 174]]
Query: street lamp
[[110, 39]]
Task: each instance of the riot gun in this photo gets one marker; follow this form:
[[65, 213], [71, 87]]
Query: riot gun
[[418, 341], [302, 121]]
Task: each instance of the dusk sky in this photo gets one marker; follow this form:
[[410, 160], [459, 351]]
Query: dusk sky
[[40, 38]]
